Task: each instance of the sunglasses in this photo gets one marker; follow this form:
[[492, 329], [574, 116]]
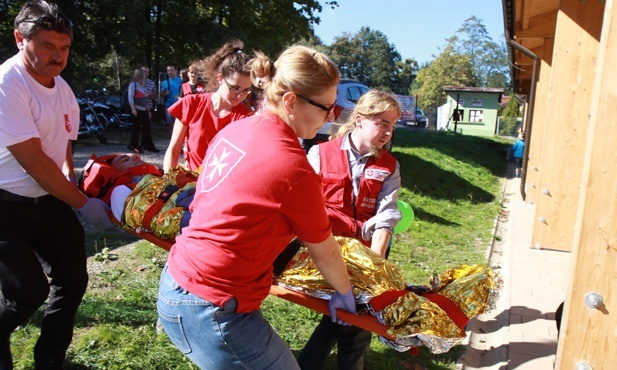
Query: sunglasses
[[51, 24], [334, 109], [237, 89]]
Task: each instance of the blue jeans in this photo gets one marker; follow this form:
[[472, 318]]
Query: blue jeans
[[219, 337]]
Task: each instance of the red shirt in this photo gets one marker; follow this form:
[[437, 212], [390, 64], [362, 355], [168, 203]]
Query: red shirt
[[255, 193], [195, 111]]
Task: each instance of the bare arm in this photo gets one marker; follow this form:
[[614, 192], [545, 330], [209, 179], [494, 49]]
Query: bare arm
[[379, 244], [328, 259], [175, 145], [46, 173], [68, 168]]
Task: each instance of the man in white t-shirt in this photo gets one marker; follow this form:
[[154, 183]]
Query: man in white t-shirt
[[41, 240]]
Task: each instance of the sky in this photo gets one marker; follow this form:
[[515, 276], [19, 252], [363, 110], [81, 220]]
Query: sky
[[417, 28]]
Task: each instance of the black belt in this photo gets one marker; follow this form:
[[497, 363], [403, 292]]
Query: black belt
[[10, 197]]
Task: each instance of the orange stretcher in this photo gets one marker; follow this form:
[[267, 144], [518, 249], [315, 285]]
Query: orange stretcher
[[366, 322]]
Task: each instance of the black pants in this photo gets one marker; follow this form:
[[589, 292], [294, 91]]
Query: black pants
[[353, 343], [42, 255], [142, 124]]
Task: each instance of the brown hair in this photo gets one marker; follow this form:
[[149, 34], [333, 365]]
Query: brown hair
[[227, 60]]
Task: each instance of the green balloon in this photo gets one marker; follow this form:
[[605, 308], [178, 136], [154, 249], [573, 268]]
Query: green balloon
[[406, 220]]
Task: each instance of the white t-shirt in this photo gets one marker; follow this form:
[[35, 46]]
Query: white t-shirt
[[117, 199], [30, 110]]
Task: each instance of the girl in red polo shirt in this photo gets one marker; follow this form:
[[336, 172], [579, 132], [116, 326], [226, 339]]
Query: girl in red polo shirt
[[255, 193], [200, 116]]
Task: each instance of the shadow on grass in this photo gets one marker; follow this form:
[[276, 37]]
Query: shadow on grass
[[479, 151], [427, 179], [391, 359], [421, 214]]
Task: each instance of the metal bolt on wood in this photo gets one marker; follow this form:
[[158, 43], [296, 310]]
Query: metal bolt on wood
[[594, 300]]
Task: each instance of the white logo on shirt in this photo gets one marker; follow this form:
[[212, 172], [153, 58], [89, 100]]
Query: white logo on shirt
[[374, 174], [221, 160]]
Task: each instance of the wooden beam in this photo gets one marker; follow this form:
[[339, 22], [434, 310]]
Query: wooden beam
[[540, 26]]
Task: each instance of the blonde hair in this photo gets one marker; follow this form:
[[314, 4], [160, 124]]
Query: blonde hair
[[261, 66], [139, 76], [300, 70], [372, 103]]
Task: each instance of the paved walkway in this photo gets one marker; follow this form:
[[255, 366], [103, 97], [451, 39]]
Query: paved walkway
[[521, 332]]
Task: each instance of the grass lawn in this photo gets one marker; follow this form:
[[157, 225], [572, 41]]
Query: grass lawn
[[453, 183]]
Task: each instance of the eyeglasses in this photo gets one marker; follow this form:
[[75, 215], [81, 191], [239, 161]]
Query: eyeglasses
[[51, 24], [237, 89], [331, 109]]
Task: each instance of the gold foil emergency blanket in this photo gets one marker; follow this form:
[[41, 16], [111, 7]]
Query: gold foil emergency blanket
[[411, 317], [166, 223], [368, 272]]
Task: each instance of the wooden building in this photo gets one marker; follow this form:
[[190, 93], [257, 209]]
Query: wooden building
[[563, 61], [476, 108]]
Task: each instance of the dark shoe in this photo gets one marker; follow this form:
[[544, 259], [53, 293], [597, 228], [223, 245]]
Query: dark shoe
[[153, 150], [135, 149], [6, 361]]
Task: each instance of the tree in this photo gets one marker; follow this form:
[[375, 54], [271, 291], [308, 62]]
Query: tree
[[448, 69], [113, 37], [488, 58], [367, 56]]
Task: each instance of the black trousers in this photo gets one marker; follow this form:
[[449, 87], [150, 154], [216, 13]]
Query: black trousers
[[141, 124], [352, 343], [42, 256]]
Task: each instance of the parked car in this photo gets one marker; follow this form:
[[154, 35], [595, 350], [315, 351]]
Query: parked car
[[419, 119], [347, 95]]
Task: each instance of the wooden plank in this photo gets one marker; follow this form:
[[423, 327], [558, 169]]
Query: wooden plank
[[567, 119], [588, 335], [538, 131]]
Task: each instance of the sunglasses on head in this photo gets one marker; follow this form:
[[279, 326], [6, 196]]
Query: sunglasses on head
[[51, 24], [334, 109]]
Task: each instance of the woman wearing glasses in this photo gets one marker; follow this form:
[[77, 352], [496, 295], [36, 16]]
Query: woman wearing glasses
[[200, 116], [360, 184], [256, 192]]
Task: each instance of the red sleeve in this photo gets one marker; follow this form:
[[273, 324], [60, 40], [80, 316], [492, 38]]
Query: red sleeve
[[190, 108], [304, 207]]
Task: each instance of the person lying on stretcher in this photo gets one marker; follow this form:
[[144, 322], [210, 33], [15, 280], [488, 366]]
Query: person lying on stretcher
[[115, 177]]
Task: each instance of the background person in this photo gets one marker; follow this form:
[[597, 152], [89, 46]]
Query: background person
[[261, 70], [42, 251], [142, 116], [194, 84], [170, 90], [220, 269], [518, 152], [356, 166], [200, 116], [150, 88]]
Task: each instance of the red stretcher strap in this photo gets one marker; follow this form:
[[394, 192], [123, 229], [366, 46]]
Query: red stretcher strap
[[453, 311], [165, 244], [386, 298]]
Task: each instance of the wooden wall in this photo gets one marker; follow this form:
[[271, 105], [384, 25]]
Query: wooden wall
[[590, 335], [562, 122]]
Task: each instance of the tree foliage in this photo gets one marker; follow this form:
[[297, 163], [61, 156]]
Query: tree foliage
[[113, 37], [448, 69], [368, 56], [489, 59]]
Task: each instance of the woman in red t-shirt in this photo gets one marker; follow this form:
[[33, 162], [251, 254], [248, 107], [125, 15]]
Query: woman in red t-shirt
[[200, 116], [256, 192]]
